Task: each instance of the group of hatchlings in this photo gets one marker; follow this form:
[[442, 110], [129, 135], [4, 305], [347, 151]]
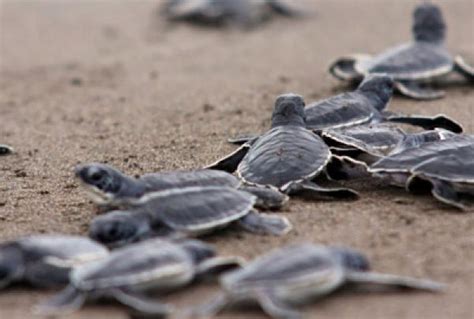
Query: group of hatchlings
[[346, 136]]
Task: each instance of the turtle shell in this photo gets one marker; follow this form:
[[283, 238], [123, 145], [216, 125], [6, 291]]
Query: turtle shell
[[282, 155], [343, 110], [179, 179], [413, 61], [150, 264], [294, 272], [198, 209], [456, 167]]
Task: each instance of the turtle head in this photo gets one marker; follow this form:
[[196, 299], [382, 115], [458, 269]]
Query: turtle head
[[351, 259], [289, 110], [198, 250], [11, 264], [428, 23], [118, 228], [105, 183], [379, 88]]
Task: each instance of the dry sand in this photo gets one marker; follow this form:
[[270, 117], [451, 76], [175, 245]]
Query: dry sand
[[106, 81]]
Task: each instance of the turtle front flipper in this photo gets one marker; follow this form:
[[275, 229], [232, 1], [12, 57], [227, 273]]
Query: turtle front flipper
[[68, 300], [283, 9], [242, 139], [215, 266], [415, 91], [140, 303], [5, 149], [462, 67], [275, 307], [265, 224], [388, 280], [230, 162], [267, 198], [427, 122], [312, 190], [208, 309], [344, 67]]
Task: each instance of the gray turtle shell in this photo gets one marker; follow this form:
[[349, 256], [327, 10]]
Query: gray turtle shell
[[456, 167], [198, 209], [145, 265], [343, 110], [283, 155], [413, 61]]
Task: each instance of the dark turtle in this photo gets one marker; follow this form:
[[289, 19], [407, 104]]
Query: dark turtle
[[366, 105], [243, 13], [412, 64], [5, 149], [45, 260], [442, 167], [129, 272], [110, 187], [190, 211], [287, 157], [298, 274]]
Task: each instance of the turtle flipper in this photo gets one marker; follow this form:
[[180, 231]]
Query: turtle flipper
[[389, 280], [68, 300], [344, 67], [275, 307], [283, 9], [312, 190], [230, 162], [5, 149], [141, 304], [267, 198], [215, 266], [462, 67], [242, 139], [427, 122], [210, 308], [265, 224], [413, 90], [345, 167]]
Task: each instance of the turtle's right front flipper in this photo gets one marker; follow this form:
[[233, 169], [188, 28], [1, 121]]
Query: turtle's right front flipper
[[427, 122], [242, 139], [68, 300], [462, 67], [312, 190], [415, 91], [275, 307], [344, 67], [141, 304], [230, 162]]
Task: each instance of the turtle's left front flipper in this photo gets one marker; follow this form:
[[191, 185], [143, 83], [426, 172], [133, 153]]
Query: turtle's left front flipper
[[426, 122], [378, 280], [312, 190], [283, 9], [265, 224], [230, 162], [462, 67], [142, 304], [215, 266]]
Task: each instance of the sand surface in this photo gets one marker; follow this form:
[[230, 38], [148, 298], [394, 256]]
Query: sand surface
[[106, 81]]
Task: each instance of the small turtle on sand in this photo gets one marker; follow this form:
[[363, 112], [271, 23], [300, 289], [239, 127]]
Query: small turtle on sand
[[129, 272], [243, 13], [412, 64], [444, 168], [366, 105], [5, 149], [298, 274], [110, 187], [45, 260], [190, 211]]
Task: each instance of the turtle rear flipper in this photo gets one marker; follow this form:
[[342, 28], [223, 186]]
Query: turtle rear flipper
[[265, 224], [415, 91], [462, 67], [68, 300], [344, 67], [267, 198], [230, 162], [218, 265], [141, 304], [427, 122], [308, 189], [275, 307], [388, 280]]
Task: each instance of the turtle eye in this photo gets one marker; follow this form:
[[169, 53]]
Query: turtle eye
[[96, 176]]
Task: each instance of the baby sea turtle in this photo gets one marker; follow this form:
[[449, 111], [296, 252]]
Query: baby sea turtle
[[287, 157], [190, 211], [442, 167], [412, 64], [129, 272], [243, 13], [5, 149], [45, 260], [110, 187], [298, 274]]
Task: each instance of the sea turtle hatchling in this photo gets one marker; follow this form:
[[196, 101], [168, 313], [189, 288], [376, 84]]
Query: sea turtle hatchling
[[45, 260], [5, 149], [366, 105], [130, 272], [190, 211], [443, 167], [412, 64], [243, 13], [109, 187], [298, 274]]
